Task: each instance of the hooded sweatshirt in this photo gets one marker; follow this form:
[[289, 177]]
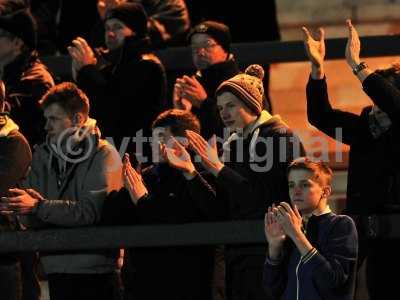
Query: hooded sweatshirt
[[74, 188], [256, 162]]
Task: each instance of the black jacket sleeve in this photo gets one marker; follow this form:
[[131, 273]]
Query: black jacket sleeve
[[334, 267], [204, 197], [321, 114], [118, 209], [384, 94]]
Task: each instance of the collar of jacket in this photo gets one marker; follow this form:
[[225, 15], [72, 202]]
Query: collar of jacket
[[214, 75], [78, 147], [133, 48], [252, 130], [379, 121]]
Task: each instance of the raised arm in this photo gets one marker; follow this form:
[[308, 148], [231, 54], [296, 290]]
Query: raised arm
[[319, 110]]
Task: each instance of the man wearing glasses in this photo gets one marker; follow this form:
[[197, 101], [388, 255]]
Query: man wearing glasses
[[210, 43]]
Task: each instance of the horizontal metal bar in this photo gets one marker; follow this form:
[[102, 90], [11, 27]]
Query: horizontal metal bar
[[179, 58], [86, 238], [239, 232]]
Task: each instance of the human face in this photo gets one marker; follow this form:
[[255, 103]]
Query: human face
[[160, 135], [163, 135], [57, 122], [116, 32], [10, 47], [206, 51], [307, 194], [234, 112]]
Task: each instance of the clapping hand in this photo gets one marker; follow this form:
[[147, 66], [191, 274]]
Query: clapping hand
[[133, 181], [177, 157], [315, 49], [192, 90], [289, 218], [81, 54], [273, 230], [353, 46], [208, 152]]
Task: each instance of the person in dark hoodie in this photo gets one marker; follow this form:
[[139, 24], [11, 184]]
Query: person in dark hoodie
[[15, 159], [25, 77], [170, 191], [71, 175], [121, 76], [210, 43], [320, 260], [373, 182], [251, 174]]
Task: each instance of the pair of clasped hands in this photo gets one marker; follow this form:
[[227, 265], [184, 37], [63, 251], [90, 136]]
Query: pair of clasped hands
[[176, 155]]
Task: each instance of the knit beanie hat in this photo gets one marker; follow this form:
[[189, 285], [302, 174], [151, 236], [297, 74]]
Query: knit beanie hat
[[132, 15], [248, 87], [21, 24], [218, 31]]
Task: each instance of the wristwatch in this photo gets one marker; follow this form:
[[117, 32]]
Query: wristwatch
[[361, 66]]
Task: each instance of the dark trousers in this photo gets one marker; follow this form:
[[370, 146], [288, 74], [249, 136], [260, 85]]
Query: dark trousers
[[29, 272], [244, 280], [383, 264], [10, 281], [84, 286]]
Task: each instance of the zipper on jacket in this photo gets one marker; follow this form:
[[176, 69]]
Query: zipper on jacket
[[297, 278], [303, 259]]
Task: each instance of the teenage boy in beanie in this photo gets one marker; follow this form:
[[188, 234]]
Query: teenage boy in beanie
[[15, 159], [252, 172], [124, 73], [24, 76], [210, 43]]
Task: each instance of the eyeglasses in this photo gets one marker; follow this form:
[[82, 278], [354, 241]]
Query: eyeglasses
[[208, 45]]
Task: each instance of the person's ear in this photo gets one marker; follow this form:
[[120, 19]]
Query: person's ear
[[78, 119], [18, 42], [326, 191]]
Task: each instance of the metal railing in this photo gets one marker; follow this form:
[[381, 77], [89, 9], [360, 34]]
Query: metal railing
[[196, 233]]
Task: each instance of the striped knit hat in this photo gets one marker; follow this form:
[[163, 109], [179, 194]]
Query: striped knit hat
[[248, 87]]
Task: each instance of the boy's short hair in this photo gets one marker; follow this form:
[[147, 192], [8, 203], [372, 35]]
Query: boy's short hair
[[68, 96], [178, 121], [321, 171]]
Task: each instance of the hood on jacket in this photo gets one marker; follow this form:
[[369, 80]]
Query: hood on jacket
[[77, 147], [253, 129]]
